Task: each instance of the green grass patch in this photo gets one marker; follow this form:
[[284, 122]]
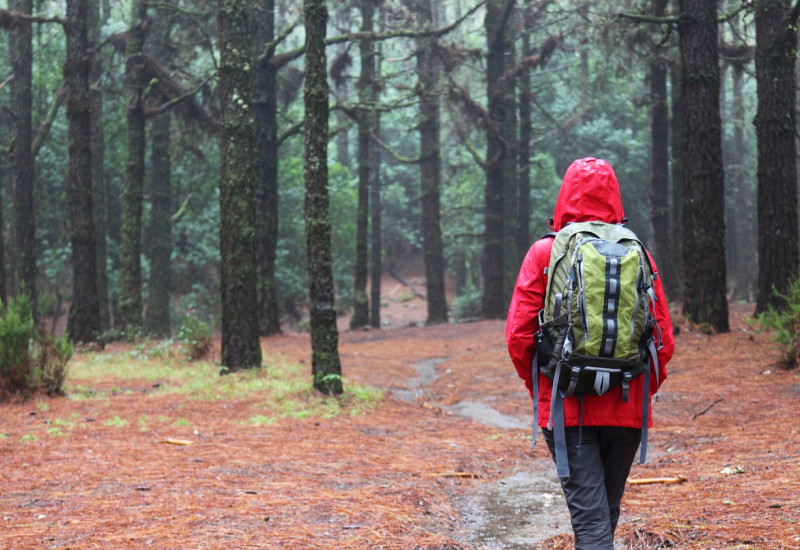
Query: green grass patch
[[281, 389]]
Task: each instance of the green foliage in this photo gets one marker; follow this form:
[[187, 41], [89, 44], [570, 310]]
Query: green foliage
[[467, 305], [784, 326], [197, 336], [30, 359]]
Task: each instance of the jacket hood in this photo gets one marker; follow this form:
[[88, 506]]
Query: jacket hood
[[589, 192]]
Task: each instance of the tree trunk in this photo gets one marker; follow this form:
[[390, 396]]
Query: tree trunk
[[703, 174], [157, 321], [366, 112], [3, 292], [776, 126], [676, 179], [84, 314], [238, 265], [326, 367], [745, 229], [98, 160], [525, 136], [22, 171], [130, 284], [500, 162], [659, 160], [430, 168], [265, 108], [376, 259]]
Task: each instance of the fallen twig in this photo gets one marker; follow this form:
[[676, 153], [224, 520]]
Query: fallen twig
[[704, 411], [172, 441], [666, 480], [472, 475]]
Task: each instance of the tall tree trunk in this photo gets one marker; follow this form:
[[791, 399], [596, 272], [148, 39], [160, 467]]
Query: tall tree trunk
[[703, 173], [430, 168], [501, 162], [157, 321], [3, 290], [83, 322], [366, 113], [659, 161], [525, 136], [130, 284], [22, 160], [376, 259], [776, 126], [745, 229], [238, 285], [265, 108], [98, 160], [326, 367], [676, 178]]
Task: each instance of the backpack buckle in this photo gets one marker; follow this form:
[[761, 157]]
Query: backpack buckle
[[626, 385]]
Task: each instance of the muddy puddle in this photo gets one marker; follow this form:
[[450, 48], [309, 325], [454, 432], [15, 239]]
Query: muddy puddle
[[516, 512]]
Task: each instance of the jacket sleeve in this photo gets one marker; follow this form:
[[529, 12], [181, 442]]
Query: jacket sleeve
[[526, 301], [664, 331]]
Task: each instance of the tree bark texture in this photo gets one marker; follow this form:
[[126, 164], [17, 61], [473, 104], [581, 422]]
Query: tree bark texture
[[376, 257], [525, 137], [703, 173], [22, 171], [500, 192], [265, 107], [157, 320], [130, 284], [238, 265], [83, 323], [745, 230], [776, 127], [366, 115], [325, 362], [430, 168], [659, 163], [98, 177], [676, 178]]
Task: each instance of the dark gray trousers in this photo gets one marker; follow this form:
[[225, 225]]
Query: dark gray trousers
[[598, 471]]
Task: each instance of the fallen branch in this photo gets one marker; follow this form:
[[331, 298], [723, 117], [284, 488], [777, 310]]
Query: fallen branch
[[471, 475], [172, 441], [397, 276], [704, 411], [666, 480]]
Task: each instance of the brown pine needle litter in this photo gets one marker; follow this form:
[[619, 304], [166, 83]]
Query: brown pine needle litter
[[121, 465]]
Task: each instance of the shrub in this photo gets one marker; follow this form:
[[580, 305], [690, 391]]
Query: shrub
[[467, 305], [197, 336], [784, 325], [30, 359]]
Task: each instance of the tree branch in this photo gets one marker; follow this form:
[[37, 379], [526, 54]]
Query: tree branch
[[279, 61], [47, 123], [9, 20]]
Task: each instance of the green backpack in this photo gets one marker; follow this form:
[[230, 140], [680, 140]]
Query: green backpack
[[596, 326]]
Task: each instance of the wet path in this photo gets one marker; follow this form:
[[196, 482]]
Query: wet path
[[516, 512]]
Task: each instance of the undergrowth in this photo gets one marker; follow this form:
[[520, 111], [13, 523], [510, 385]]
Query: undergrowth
[[282, 389], [30, 359], [783, 325]]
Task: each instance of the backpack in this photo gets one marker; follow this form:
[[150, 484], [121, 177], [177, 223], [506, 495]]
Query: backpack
[[597, 323]]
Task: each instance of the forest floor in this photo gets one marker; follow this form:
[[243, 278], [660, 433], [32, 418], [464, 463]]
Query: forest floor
[[443, 461]]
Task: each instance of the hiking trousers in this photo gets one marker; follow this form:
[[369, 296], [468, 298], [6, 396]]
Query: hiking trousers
[[598, 471]]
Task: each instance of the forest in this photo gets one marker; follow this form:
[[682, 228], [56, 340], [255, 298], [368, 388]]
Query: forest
[[173, 166]]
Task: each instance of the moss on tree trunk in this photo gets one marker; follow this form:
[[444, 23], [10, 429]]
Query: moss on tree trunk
[[325, 364]]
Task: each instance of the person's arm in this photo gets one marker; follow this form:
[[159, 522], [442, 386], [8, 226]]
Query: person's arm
[[528, 298], [664, 323]]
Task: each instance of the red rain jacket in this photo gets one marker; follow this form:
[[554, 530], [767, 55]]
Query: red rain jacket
[[590, 191]]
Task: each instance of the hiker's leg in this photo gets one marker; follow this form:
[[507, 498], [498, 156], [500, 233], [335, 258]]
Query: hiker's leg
[[618, 448], [585, 489]]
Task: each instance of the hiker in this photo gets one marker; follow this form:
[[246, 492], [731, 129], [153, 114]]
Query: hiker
[[603, 431]]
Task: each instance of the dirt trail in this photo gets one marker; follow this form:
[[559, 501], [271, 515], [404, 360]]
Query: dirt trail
[[444, 462]]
